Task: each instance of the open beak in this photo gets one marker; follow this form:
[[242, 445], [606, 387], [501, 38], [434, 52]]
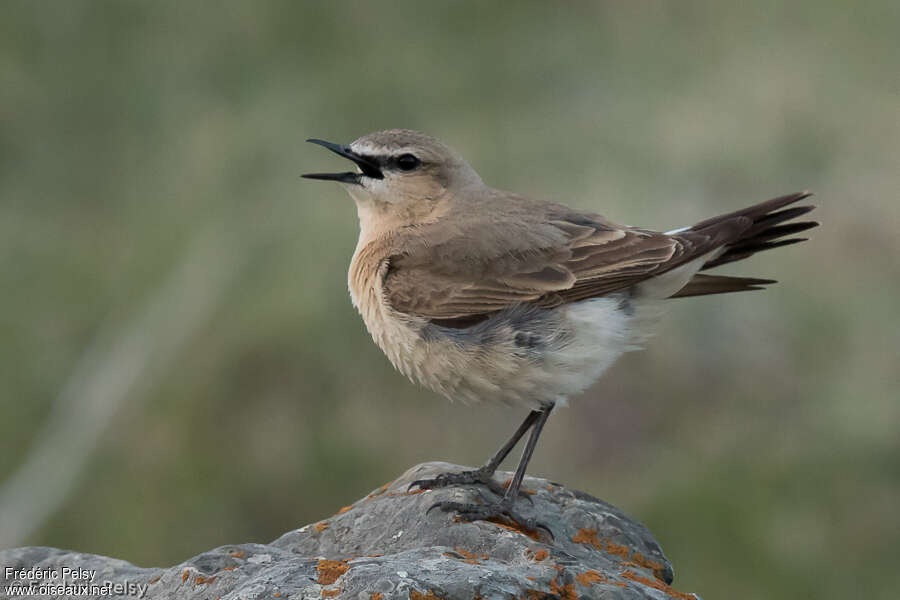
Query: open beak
[[368, 167]]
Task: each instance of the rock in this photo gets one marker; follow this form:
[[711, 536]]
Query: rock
[[388, 546]]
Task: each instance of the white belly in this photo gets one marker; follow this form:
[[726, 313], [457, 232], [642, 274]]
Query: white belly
[[521, 356]]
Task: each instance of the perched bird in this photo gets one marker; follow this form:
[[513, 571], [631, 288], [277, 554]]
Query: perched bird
[[484, 295]]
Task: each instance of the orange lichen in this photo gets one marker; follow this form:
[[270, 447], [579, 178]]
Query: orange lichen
[[276, 595], [380, 490], [229, 568], [155, 579], [185, 575], [201, 580], [331, 570], [587, 536], [467, 557], [658, 585], [589, 578], [344, 509], [238, 554], [321, 526], [376, 596], [531, 577], [541, 555], [659, 570], [633, 559], [517, 527], [331, 593], [617, 549], [564, 592], [417, 595]]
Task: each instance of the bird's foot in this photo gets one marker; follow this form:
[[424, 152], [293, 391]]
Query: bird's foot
[[475, 477], [501, 512]]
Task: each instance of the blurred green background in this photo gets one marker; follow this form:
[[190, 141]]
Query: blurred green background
[[180, 365]]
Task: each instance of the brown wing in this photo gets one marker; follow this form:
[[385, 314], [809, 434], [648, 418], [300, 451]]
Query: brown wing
[[550, 255], [565, 260]]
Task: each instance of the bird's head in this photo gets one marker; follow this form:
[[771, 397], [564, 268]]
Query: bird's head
[[401, 175]]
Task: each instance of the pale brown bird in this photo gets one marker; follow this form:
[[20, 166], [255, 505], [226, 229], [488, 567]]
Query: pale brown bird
[[484, 295]]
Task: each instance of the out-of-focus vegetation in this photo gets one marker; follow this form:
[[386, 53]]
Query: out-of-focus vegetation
[[758, 433]]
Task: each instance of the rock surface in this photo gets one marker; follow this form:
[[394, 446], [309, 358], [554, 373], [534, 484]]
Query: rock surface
[[386, 546]]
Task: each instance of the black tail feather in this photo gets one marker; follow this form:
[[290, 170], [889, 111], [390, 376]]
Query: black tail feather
[[768, 230], [702, 285]]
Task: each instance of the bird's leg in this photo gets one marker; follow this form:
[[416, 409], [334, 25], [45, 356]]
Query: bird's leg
[[484, 474], [504, 507]]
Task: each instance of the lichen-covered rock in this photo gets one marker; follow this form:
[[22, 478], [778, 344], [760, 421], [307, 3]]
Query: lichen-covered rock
[[387, 546]]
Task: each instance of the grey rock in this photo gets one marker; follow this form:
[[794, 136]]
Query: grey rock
[[387, 545]]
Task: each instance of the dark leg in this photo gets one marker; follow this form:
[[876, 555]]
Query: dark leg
[[504, 508], [484, 474], [513, 490]]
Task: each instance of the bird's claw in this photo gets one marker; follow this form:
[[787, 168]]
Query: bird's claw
[[475, 477], [448, 479], [502, 510]]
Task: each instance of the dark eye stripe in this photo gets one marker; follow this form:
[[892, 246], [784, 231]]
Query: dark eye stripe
[[369, 171], [396, 162]]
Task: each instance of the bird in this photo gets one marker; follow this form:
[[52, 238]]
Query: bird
[[484, 295]]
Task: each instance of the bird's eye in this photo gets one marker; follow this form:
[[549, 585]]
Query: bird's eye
[[407, 162]]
